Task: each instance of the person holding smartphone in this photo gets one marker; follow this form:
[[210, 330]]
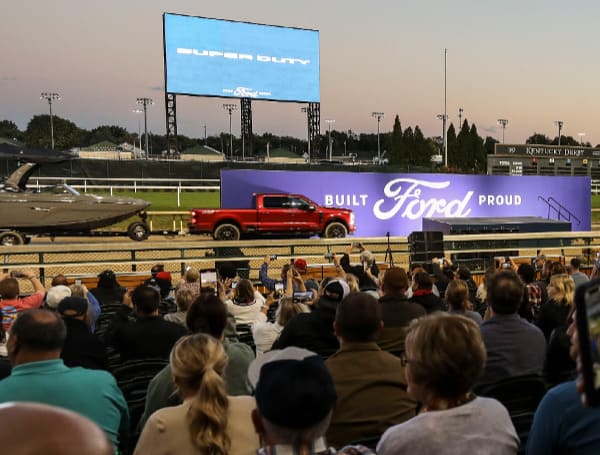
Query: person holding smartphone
[[269, 283], [10, 301]]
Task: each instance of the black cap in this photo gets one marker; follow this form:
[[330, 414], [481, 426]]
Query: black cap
[[73, 306]]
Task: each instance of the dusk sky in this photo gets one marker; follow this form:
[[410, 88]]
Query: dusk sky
[[531, 62]]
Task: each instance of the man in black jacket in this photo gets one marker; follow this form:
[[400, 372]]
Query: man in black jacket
[[82, 348], [149, 335], [367, 272], [314, 330], [422, 285]]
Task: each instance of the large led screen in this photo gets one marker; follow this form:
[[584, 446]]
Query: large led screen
[[214, 57]]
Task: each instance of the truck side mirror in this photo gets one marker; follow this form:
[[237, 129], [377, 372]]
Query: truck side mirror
[[311, 208]]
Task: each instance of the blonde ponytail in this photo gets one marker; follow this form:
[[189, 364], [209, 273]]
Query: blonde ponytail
[[198, 362]]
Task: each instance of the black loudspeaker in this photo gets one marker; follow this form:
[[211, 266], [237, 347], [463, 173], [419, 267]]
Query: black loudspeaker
[[424, 246]]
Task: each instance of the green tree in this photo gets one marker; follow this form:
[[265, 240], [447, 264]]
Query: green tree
[[489, 144], [452, 143], [396, 148], [477, 152], [66, 134], [538, 138], [408, 140], [10, 130], [463, 145], [111, 133], [422, 156]]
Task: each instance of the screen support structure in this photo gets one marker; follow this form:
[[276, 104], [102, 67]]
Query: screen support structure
[[246, 122], [314, 129], [171, 119]]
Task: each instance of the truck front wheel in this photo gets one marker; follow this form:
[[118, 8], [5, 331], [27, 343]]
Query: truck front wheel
[[335, 230], [226, 232]]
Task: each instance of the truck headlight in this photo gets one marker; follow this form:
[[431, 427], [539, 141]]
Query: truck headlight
[[352, 219]]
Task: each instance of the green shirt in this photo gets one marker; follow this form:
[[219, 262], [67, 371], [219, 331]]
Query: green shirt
[[91, 393]]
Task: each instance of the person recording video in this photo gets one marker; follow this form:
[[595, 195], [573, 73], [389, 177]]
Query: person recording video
[[367, 272]]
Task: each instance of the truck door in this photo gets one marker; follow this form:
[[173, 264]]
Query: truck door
[[275, 215], [306, 216]]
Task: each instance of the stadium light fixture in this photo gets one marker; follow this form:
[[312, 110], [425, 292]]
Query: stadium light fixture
[[50, 96], [503, 122]]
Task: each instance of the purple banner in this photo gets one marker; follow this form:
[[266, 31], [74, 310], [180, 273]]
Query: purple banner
[[397, 203]]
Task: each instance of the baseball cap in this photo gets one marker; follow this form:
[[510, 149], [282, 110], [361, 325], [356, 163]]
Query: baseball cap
[[164, 276], [55, 294], [73, 306], [300, 264], [336, 290], [293, 388]]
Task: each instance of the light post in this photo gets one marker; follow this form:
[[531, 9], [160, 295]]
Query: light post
[[307, 111], [145, 102], [50, 96], [559, 124], [581, 138], [138, 111], [460, 113], [378, 116], [205, 139], [329, 122], [230, 108], [502, 122]]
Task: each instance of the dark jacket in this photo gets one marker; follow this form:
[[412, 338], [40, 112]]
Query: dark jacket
[[146, 337], [364, 282], [428, 300], [551, 316], [82, 348], [312, 331], [396, 313]]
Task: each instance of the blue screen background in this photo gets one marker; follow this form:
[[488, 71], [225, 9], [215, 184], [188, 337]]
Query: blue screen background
[[239, 78]]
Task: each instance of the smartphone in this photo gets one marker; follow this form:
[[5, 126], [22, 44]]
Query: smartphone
[[302, 297], [234, 284], [208, 278], [16, 274], [587, 304], [78, 281], [278, 290]]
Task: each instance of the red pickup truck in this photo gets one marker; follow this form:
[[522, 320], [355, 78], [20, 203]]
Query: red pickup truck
[[273, 214]]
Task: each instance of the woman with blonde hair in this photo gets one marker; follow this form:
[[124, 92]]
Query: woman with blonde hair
[[554, 313], [208, 421], [457, 298], [444, 358]]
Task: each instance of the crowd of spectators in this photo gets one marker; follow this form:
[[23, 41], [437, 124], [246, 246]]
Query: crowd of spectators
[[373, 358]]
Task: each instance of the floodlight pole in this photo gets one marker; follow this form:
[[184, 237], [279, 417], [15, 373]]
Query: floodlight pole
[[378, 116], [307, 110], [559, 124], [503, 122], [445, 139], [230, 108], [581, 138], [443, 118], [139, 111], [50, 96], [329, 122], [145, 102]]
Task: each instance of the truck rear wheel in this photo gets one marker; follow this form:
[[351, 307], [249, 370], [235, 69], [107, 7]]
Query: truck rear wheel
[[335, 230], [226, 232]]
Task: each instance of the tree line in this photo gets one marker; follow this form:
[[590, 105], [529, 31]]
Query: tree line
[[407, 148]]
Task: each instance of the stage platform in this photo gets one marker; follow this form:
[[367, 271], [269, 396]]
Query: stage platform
[[488, 225]]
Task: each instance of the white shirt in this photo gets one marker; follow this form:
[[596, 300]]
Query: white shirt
[[264, 333], [481, 427], [246, 314]]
